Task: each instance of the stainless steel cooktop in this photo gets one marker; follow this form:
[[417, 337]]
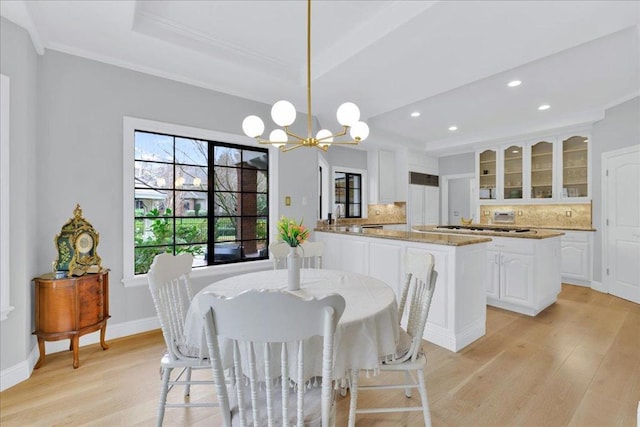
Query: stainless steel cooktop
[[485, 228]]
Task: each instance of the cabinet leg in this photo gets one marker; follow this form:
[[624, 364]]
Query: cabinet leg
[[103, 331], [75, 343], [41, 349]]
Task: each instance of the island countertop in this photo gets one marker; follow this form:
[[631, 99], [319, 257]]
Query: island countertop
[[537, 233], [433, 238]]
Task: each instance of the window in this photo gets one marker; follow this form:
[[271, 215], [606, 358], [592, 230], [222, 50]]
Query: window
[[200, 196], [348, 193]]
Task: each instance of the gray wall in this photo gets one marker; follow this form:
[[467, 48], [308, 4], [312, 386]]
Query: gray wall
[[458, 164], [620, 128], [19, 62], [76, 157], [347, 157]]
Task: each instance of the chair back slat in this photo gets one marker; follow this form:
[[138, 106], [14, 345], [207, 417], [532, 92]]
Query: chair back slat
[[171, 292], [279, 252], [311, 253], [279, 326], [415, 300]]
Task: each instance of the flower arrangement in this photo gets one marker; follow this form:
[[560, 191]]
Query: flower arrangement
[[292, 233]]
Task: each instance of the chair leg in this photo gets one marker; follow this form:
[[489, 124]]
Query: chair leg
[[353, 389], [187, 389], [425, 400], [163, 394], [407, 380]]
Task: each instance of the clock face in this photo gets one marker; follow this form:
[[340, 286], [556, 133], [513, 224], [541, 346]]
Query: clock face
[[84, 243]]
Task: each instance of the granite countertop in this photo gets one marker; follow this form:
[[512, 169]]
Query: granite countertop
[[563, 228], [533, 234], [432, 238]]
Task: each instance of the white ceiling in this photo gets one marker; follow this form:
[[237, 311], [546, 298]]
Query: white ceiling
[[449, 60]]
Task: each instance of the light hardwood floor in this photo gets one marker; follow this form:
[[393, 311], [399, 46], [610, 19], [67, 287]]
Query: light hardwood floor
[[575, 364]]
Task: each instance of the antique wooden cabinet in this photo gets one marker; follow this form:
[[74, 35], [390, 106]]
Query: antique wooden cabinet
[[69, 307]]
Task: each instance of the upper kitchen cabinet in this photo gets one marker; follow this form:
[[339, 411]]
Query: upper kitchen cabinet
[[575, 167], [488, 168], [542, 170], [550, 169], [513, 172], [381, 165]]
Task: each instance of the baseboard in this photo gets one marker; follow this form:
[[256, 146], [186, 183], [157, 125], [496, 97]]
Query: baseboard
[[453, 341], [22, 371], [599, 286]]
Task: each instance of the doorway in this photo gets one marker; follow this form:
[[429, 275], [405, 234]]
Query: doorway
[[621, 216], [458, 198]]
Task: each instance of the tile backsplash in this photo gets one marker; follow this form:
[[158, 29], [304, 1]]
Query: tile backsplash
[[391, 213], [570, 215]]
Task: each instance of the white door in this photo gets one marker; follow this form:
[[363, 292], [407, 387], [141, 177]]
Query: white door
[[416, 207], [621, 195]]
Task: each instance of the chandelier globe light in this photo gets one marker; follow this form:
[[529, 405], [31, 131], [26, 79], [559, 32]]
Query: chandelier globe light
[[283, 113]]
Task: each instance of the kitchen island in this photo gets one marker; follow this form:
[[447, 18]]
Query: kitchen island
[[523, 271], [457, 315]]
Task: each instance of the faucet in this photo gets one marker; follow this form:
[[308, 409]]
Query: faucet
[[336, 214]]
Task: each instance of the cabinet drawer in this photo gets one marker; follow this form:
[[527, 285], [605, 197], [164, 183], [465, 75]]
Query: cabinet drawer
[[575, 236], [511, 245]]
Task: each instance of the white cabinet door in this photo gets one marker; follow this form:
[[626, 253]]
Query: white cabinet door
[[516, 278], [385, 262], [575, 260], [354, 256], [492, 281], [386, 176]]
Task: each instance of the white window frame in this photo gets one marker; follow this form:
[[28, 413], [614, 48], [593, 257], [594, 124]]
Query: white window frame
[[5, 261], [130, 125]]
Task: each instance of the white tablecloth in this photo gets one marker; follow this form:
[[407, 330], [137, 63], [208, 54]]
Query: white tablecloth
[[367, 331]]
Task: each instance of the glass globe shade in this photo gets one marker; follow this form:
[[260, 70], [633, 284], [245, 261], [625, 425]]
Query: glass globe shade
[[283, 113], [359, 130], [325, 136], [278, 138], [348, 114], [253, 126], [161, 182], [196, 181], [180, 181]]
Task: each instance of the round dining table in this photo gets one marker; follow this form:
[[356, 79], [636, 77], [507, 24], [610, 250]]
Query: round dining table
[[366, 333]]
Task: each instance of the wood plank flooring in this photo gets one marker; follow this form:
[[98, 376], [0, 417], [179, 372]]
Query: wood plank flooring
[[575, 364]]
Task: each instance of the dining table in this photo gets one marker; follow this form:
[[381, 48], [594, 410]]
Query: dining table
[[366, 333]]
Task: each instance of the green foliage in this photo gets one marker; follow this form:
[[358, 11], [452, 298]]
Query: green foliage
[[154, 235]]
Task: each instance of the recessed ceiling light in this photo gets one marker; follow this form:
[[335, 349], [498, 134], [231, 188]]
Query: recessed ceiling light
[[453, 128], [514, 83], [415, 114], [514, 151], [544, 107]]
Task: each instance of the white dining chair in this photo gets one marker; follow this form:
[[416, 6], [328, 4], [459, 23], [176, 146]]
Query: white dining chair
[[311, 253], [266, 333], [279, 251], [409, 358], [171, 291]]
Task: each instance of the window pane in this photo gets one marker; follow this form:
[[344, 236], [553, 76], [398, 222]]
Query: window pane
[[354, 210], [263, 182], [191, 230], [153, 175], [200, 255], [191, 151], [151, 202], [225, 229], [226, 179], [144, 257], [154, 231], [253, 228], [190, 202], [354, 181], [152, 146], [191, 177], [249, 180], [263, 204], [225, 252], [226, 156], [226, 204], [255, 159]]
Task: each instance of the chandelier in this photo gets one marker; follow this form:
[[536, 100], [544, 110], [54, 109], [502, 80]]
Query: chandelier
[[283, 114]]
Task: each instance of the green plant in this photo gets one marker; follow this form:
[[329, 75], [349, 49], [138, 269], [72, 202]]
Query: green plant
[[291, 232]]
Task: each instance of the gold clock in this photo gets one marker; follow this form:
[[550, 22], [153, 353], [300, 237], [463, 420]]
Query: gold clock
[[77, 247]]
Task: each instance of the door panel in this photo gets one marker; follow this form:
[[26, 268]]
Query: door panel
[[623, 234], [516, 277]]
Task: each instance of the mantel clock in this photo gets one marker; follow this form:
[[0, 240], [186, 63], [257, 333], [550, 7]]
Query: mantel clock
[[77, 247]]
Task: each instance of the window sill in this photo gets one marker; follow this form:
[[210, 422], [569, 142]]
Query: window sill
[[213, 272]]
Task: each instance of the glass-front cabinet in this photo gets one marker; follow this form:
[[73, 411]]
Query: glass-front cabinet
[[575, 167], [542, 170], [488, 174], [513, 172]]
